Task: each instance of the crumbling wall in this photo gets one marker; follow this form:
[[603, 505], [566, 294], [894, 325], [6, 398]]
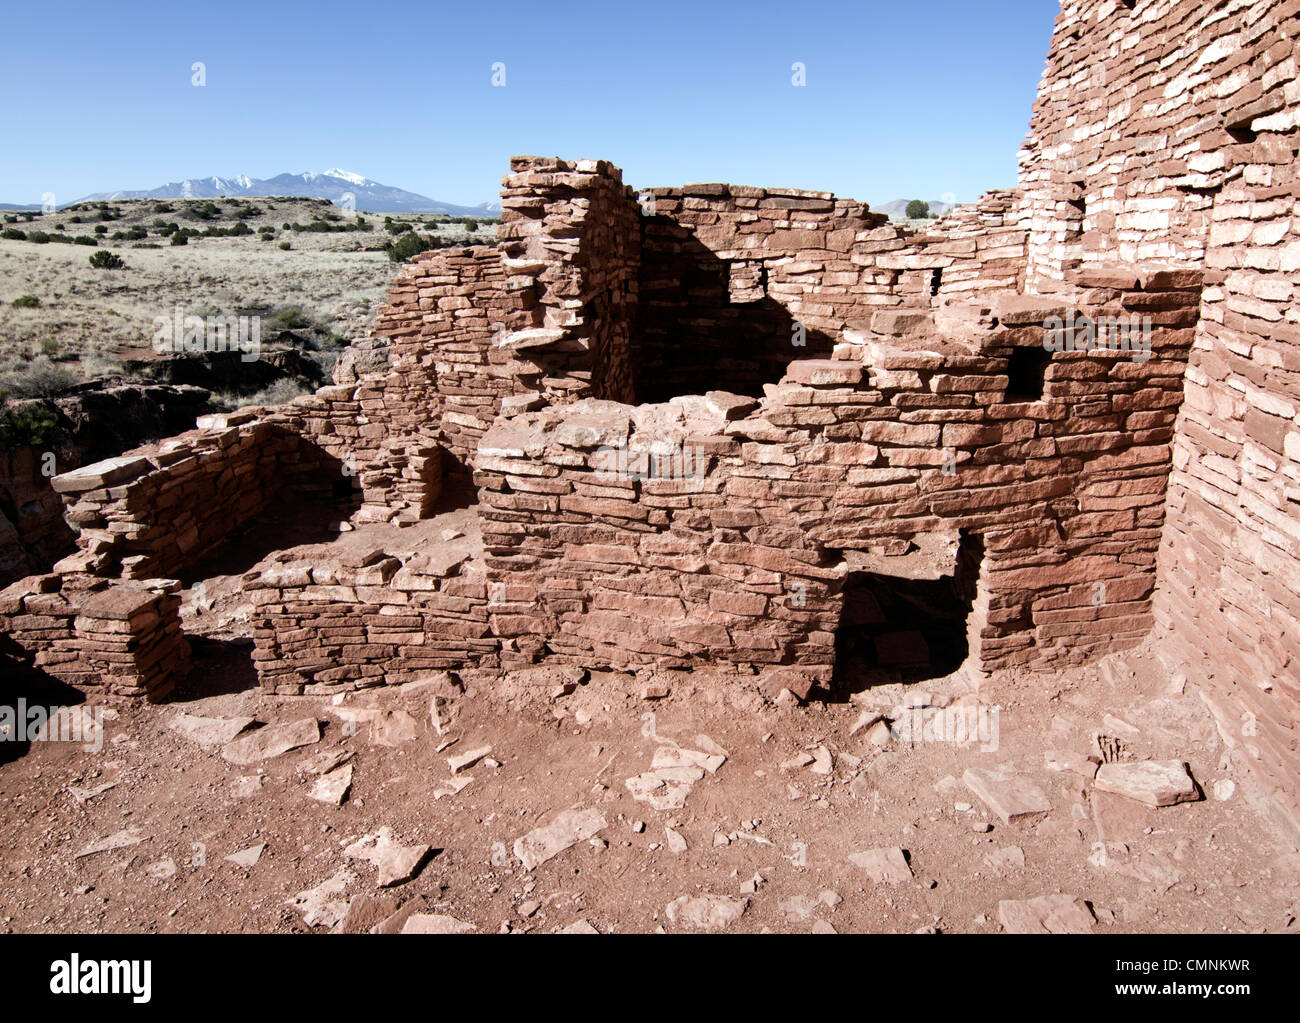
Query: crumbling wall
[[125, 640], [900, 435], [325, 622], [159, 510]]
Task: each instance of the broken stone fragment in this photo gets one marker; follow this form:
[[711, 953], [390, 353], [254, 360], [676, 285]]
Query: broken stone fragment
[[247, 858], [665, 788], [1048, 914], [579, 927], [1153, 782], [435, 923], [884, 866], [332, 788], [706, 912], [468, 758], [397, 863], [1006, 793], [320, 906], [123, 839], [272, 741], [391, 728], [208, 731], [1008, 858], [567, 829]]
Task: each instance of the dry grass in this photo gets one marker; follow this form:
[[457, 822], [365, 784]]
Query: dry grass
[[87, 318]]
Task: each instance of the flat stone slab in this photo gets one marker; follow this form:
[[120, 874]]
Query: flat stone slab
[[1047, 914], [332, 788], [272, 741], [1006, 793], [247, 858], [884, 866], [119, 603], [323, 905], [467, 759], [435, 923], [706, 912], [397, 863], [101, 474], [123, 839], [1153, 782], [567, 829], [208, 731]]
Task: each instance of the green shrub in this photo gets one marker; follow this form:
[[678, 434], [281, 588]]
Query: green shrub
[[13, 234], [163, 207], [100, 229], [180, 237], [39, 237], [26, 302], [104, 260], [85, 239], [408, 246], [33, 425], [292, 318], [285, 246]]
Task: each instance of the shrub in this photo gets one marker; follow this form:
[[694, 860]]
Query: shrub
[[407, 246], [104, 260], [918, 210], [292, 318], [39, 237], [34, 425], [13, 234], [163, 207], [100, 229], [26, 302], [285, 246], [471, 226], [85, 239], [40, 378], [180, 238]]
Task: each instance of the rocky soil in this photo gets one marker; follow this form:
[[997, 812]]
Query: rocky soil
[[580, 801]]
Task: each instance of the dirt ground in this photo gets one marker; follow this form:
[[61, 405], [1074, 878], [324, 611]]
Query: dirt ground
[[761, 840]]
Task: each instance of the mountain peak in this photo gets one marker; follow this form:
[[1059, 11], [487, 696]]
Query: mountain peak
[[356, 179], [339, 186]]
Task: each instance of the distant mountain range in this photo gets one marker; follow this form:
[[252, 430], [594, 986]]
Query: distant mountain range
[[340, 187], [897, 210]]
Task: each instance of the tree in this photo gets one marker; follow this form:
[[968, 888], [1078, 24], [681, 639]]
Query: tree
[[917, 210]]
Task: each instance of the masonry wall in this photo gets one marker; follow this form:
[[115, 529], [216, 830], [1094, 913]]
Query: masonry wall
[[325, 623], [848, 454], [125, 640], [1168, 132]]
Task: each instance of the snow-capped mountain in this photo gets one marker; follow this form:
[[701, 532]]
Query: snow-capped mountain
[[341, 187]]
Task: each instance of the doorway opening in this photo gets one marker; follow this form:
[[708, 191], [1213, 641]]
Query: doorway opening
[[905, 619]]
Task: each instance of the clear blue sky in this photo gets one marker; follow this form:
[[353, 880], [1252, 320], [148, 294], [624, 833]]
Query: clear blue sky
[[902, 100]]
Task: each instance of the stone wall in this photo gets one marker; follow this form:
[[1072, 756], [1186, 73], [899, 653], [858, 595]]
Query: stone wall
[[904, 433], [324, 622], [1168, 131], [125, 640]]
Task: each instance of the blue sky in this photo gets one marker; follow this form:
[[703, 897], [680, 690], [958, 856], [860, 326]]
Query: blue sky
[[902, 100]]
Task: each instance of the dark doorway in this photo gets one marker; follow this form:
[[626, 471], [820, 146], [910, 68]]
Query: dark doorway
[[896, 628]]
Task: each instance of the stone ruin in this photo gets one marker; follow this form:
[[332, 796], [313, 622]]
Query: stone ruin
[[766, 434]]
